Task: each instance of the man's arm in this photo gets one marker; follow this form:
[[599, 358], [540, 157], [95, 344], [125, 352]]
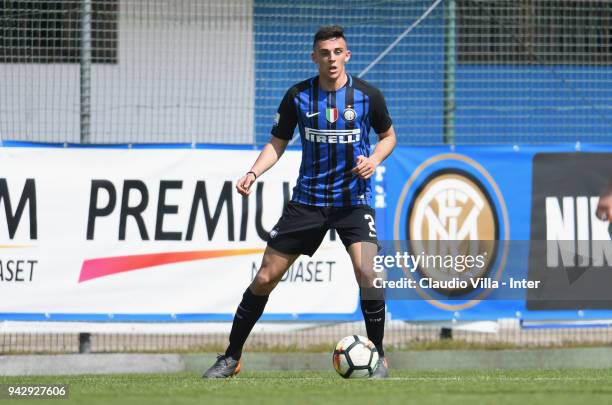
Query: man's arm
[[386, 143], [269, 155], [604, 208]]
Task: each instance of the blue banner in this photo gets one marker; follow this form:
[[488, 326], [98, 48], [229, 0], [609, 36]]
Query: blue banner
[[502, 195]]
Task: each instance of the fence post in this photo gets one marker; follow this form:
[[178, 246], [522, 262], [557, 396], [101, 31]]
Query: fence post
[[450, 61], [84, 343], [446, 333], [85, 72]]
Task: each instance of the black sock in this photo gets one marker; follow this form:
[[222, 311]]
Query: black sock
[[374, 315], [250, 309]]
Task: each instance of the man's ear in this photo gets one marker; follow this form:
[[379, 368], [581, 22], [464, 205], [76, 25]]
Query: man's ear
[[348, 55], [312, 56]]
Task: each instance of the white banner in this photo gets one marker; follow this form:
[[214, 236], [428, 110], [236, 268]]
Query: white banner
[[151, 231]]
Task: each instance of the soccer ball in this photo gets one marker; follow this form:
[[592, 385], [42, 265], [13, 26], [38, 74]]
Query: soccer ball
[[355, 357]]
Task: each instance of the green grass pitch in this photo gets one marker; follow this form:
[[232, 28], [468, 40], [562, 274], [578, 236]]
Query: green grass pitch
[[522, 387]]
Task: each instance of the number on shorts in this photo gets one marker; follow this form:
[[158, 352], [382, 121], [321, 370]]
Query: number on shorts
[[371, 224]]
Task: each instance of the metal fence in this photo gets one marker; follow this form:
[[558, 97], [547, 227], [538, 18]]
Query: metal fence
[[452, 71], [319, 338], [152, 71]]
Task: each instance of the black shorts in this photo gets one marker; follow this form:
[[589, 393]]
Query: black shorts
[[301, 228]]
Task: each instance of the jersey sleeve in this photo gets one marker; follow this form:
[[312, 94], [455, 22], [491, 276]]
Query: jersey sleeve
[[379, 115], [286, 118]]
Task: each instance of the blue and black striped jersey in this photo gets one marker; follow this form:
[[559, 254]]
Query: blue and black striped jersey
[[334, 128]]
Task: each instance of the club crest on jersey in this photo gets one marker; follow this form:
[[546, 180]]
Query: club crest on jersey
[[349, 114], [331, 114], [273, 233]]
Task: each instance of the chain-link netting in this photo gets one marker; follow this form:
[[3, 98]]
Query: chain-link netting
[[454, 71], [317, 338]]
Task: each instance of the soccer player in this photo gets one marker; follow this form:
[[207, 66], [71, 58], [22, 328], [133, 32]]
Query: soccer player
[[334, 112]]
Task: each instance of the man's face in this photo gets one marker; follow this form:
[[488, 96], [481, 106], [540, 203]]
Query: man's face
[[331, 55]]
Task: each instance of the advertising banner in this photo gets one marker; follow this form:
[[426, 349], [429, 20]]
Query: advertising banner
[[160, 234], [563, 209], [151, 234], [537, 202]]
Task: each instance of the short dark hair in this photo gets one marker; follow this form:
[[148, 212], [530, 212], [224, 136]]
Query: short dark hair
[[328, 32]]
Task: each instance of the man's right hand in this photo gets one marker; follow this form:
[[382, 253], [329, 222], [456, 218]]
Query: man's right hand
[[604, 208], [243, 186]]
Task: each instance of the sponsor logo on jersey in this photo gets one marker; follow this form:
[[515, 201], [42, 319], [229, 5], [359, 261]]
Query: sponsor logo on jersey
[[331, 114], [349, 114], [333, 135]]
